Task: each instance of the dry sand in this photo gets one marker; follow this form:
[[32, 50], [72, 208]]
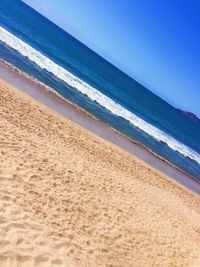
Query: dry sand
[[70, 198]]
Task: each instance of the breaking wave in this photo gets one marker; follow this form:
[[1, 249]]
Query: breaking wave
[[95, 95]]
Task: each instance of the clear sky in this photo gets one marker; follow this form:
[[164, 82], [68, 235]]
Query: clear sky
[[156, 42]]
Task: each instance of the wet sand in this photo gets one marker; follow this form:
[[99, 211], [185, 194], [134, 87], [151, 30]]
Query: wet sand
[[70, 198], [79, 116]]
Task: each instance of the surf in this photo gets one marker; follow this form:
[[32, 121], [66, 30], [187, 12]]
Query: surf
[[94, 95]]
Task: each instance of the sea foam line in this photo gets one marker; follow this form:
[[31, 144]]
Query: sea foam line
[[95, 95]]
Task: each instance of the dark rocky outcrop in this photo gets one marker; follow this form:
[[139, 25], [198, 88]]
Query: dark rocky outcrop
[[191, 115]]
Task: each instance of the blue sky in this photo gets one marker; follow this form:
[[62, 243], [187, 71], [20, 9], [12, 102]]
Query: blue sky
[[156, 42]]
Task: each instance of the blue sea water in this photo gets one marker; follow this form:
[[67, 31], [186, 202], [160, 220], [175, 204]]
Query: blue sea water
[[36, 46]]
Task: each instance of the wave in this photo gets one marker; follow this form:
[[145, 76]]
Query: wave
[[95, 95]]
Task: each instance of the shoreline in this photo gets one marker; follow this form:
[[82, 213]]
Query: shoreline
[[71, 198], [76, 114]]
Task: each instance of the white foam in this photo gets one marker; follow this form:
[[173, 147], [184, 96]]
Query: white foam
[[95, 95]]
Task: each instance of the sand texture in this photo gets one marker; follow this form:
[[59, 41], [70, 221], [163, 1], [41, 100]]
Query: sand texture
[[69, 198]]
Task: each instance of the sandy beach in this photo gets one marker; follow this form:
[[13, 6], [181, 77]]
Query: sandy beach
[[70, 198]]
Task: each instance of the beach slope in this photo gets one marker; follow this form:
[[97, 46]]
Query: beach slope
[[70, 198]]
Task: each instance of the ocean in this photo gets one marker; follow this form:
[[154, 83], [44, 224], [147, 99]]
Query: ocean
[[41, 50]]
